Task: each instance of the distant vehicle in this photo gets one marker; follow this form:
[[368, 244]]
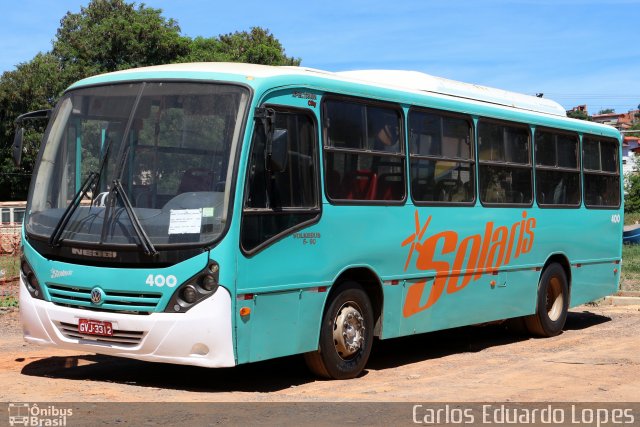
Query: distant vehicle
[[219, 214], [631, 234]]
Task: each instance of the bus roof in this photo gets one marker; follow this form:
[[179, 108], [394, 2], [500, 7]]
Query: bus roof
[[412, 81], [417, 81]]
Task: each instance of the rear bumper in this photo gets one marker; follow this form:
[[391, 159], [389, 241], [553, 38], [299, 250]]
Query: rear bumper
[[200, 337]]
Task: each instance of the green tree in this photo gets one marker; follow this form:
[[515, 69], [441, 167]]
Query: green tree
[[111, 35], [632, 192], [607, 111], [577, 114], [33, 85], [108, 35], [257, 46]]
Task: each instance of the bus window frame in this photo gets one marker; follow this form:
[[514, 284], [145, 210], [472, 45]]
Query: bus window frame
[[317, 209], [367, 102], [130, 256], [600, 172], [578, 170], [528, 165], [473, 164]]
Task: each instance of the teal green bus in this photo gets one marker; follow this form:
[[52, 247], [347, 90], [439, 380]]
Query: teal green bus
[[217, 214]]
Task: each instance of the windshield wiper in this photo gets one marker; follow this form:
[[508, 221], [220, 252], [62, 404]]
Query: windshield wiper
[[54, 240], [118, 190], [92, 182]]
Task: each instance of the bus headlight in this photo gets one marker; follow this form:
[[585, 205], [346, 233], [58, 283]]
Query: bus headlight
[[189, 294], [209, 281], [30, 280], [197, 288]]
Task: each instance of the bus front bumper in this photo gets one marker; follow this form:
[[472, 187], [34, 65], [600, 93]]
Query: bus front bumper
[[201, 337]]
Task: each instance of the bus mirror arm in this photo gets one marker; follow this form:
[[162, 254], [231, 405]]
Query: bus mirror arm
[[267, 117], [18, 140], [276, 147]]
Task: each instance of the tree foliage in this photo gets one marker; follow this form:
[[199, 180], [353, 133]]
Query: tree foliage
[[577, 114], [115, 35], [31, 86], [108, 35], [632, 192], [257, 46], [607, 111]]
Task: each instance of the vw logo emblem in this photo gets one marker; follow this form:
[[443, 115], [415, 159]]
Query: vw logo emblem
[[97, 296]]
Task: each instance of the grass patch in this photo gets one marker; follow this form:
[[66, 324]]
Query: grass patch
[[10, 264], [8, 301], [632, 218], [630, 275]]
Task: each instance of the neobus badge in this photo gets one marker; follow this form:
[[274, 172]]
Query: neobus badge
[[94, 253]]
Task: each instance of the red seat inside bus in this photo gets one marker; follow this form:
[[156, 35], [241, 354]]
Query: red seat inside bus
[[360, 185], [390, 186]]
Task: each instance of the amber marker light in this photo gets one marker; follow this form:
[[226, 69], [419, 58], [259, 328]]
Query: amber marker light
[[245, 311]]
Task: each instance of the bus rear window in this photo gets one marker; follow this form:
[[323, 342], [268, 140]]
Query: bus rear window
[[601, 174], [557, 169]]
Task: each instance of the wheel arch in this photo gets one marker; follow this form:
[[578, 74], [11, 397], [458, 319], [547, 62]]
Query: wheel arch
[[372, 286], [561, 259], [558, 258]]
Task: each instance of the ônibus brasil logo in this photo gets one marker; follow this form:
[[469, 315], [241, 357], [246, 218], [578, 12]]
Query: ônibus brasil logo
[[27, 414]]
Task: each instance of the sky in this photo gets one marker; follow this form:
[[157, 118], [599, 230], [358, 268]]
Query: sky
[[573, 51]]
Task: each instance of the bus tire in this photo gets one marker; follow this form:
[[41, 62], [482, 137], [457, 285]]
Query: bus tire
[[346, 335], [552, 303]]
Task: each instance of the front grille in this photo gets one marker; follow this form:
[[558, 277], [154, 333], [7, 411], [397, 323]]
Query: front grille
[[120, 337], [114, 301]]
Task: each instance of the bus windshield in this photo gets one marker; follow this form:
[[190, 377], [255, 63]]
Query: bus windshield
[[128, 162]]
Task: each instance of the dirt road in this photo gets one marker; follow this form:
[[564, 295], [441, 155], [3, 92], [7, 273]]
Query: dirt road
[[597, 359]]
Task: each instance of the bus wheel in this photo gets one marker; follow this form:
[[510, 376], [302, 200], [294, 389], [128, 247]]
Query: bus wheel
[[553, 303], [346, 335]]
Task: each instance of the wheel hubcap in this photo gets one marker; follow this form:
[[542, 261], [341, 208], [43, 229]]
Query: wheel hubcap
[[348, 330], [555, 299]]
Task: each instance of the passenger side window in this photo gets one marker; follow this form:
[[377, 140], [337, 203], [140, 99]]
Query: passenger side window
[[505, 166], [601, 172], [281, 200], [364, 151], [441, 158], [557, 169]]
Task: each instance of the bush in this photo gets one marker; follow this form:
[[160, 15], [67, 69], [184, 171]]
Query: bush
[[632, 196]]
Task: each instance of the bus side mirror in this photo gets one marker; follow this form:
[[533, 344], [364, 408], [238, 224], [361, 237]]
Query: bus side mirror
[[16, 147], [18, 139]]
